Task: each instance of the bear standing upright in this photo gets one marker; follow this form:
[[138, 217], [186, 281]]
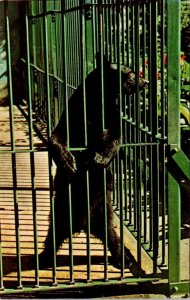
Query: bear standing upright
[[100, 145]]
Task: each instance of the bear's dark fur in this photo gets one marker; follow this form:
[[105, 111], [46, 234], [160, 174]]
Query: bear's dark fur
[[102, 146]]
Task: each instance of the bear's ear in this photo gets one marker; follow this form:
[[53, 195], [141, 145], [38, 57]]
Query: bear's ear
[[105, 61]]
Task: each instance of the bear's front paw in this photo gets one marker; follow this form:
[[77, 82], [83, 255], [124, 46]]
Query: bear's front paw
[[101, 159], [69, 163]]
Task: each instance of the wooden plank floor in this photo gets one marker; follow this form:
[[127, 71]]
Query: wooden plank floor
[[25, 209]]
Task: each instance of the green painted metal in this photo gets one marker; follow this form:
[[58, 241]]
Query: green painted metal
[[48, 105], [179, 288], [32, 157], [182, 162], [77, 285], [61, 47], [14, 175], [173, 78]]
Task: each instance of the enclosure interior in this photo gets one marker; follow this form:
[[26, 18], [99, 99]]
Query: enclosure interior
[[60, 40]]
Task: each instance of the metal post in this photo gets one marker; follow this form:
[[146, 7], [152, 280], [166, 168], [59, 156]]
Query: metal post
[[173, 37]]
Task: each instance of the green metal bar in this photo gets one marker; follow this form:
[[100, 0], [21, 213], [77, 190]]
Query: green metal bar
[[47, 85], [154, 53], [154, 129], [173, 76], [163, 200], [162, 66], [101, 51], [149, 119], [10, 87], [17, 224], [126, 197], [149, 124], [114, 182], [130, 184], [179, 288], [64, 24], [122, 29], [115, 30], [150, 188], [110, 33], [59, 62], [94, 30], [174, 216], [32, 153], [145, 178], [88, 229], [182, 162], [106, 229], [121, 108], [76, 285], [132, 38], [144, 45], [33, 29], [156, 198], [14, 175], [70, 234], [83, 63], [121, 215], [163, 127], [138, 136], [117, 183]]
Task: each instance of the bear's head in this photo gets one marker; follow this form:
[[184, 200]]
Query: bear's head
[[128, 79], [128, 76]]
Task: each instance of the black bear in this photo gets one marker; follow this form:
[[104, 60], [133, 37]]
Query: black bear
[[100, 145]]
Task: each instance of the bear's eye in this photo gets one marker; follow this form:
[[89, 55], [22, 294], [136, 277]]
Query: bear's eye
[[126, 85]]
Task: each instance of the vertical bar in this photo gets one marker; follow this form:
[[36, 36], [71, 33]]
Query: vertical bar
[[137, 149], [131, 194], [144, 45], [110, 32], [117, 183], [118, 20], [101, 51], [149, 122], [145, 174], [10, 88], [115, 29], [114, 182], [94, 30], [59, 58], [121, 215], [173, 128], [163, 130], [154, 118], [47, 86], [127, 36], [106, 229], [88, 229], [65, 75], [123, 27], [32, 151], [156, 198], [83, 63]]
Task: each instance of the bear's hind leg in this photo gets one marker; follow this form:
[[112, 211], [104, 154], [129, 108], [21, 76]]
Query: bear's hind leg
[[113, 240], [60, 229]]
